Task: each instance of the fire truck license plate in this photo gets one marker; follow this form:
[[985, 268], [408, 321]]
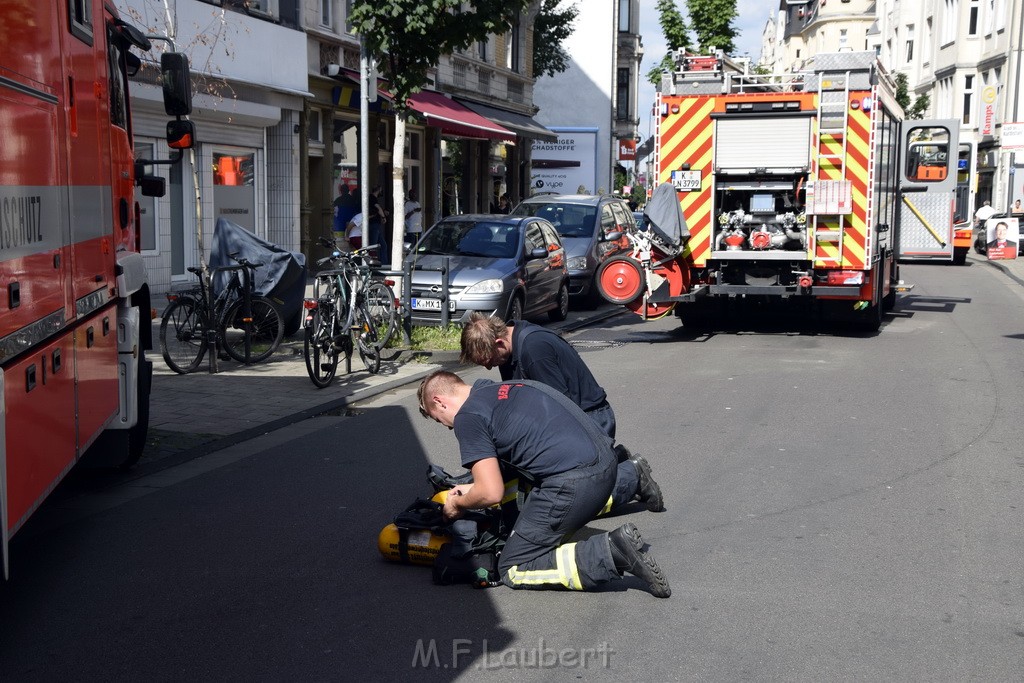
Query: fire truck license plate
[[686, 181]]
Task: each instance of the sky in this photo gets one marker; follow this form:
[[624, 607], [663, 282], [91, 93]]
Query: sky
[[751, 20]]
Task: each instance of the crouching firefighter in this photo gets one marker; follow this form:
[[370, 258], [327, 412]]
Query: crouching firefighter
[[538, 432]]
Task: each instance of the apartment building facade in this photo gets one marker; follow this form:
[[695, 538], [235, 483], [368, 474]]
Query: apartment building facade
[[965, 55], [593, 104], [276, 107], [247, 112]]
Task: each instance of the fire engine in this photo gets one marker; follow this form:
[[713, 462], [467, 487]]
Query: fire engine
[[807, 186], [75, 321]]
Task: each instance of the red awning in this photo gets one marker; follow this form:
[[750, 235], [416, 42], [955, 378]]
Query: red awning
[[456, 120]]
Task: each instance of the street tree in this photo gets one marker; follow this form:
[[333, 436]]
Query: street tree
[[677, 36], [712, 23], [550, 29], [919, 108], [407, 38]]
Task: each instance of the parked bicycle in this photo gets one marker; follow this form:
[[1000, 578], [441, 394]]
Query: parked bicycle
[[339, 318], [245, 325], [382, 304]]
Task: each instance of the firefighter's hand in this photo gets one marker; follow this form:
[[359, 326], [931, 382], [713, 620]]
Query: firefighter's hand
[[451, 511]]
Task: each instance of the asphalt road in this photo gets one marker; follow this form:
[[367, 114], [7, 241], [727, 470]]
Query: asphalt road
[[840, 506]]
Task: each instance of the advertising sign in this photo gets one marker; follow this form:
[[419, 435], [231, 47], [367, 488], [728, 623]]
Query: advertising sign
[[1002, 238], [627, 149], [1013, 136], [566, 165], [988, 110]]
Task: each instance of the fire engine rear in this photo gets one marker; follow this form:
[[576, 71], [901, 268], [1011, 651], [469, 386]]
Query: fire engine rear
[[793, 186], [75, 321]]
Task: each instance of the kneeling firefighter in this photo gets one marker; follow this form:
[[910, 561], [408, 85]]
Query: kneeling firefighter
[[534, 430]]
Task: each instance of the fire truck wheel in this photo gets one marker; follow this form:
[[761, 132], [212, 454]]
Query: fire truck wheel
[[620, 279], [137, 434], [870, 319], [960, 255]]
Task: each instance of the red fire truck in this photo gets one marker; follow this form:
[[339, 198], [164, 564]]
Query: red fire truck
[[74, 310], [809, 187]]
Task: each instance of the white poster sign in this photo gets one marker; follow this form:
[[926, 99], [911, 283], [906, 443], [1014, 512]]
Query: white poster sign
[[1013, 136], [565, 166]]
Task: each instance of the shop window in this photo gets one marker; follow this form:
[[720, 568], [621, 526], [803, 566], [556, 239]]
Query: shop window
[[234, 187]]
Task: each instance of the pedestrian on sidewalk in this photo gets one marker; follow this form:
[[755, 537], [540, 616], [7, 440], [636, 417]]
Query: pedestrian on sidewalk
[[537, 432], [413, 216]]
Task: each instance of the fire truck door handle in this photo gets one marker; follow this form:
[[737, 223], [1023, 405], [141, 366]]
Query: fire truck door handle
[[98, 278], [123, 211]]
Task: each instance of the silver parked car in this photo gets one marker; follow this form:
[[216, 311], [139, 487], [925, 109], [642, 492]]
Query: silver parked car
[[511, 266], [593, 228]]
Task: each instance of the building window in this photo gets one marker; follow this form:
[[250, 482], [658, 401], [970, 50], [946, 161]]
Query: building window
[[515, 91], [624, 16], [326, 18], [481, 50], [315, 127], [484, 82], [842, 39], [348, 13], [622, 95], [949, 20], [968, 99], [459, 74], [927, 46], [910, 43], [972, 20], [512, 47]]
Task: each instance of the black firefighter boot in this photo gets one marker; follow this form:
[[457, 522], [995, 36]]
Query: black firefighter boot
[[629, 556], [647, 489]]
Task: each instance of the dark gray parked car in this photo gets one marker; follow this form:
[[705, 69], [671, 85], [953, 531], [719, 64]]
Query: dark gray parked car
[[593, 229], [511, 266]]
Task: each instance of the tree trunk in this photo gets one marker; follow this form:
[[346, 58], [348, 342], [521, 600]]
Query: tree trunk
[[398, 191]]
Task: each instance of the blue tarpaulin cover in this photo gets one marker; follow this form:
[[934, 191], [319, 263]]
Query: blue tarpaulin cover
[[281, 278]]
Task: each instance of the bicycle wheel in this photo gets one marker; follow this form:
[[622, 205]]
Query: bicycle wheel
[[320, 351], [380, 304], [250, 340], [183, 336], [364, 338]]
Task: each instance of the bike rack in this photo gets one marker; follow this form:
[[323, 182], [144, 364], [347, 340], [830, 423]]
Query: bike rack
[[445, 271], [211, 334]]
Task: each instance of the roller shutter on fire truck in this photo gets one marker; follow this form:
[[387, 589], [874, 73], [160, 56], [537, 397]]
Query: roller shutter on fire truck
[[748, 144]]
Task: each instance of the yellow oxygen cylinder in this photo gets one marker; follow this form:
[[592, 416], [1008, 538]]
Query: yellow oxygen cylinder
[[410, 546]]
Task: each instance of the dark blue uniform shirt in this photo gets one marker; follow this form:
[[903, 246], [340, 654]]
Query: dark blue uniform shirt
[[544, 356], [522, 426]]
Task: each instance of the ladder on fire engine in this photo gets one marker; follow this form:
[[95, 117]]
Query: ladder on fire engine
[[833, 120]]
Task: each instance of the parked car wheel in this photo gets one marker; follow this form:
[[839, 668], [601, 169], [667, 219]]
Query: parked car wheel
[[515, 309], [561, 311]]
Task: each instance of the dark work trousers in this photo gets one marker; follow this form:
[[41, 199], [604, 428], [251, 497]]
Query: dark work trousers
[[604, 417], [536, 556], [377, 236]]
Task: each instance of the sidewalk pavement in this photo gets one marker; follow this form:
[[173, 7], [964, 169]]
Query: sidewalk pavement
[[199, 413]]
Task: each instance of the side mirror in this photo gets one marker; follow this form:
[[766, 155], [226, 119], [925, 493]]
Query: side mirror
[[181, 134], [151, 185], [537, 253], [177, 82], [613, 236]]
